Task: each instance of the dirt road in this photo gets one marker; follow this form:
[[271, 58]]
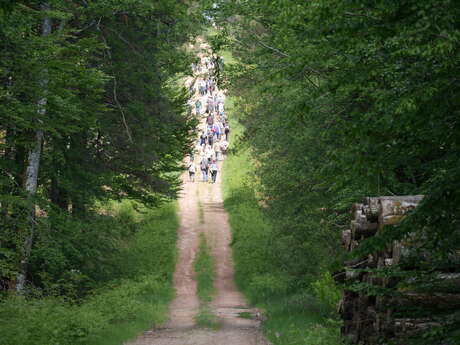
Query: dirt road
[[181, 329], [201, 210]]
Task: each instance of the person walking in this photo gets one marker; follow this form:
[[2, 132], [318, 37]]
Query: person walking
[[203, 138], [202, 87], [210, 137], [221, 63], [220, 132], [209, 105], [224, 146], [210, 121], [221, 108], [216, 102], [198, 107], [214, 171], [218, 150], [210, 153], [204, 168], [211, 85], [227, 131], [191, 171]]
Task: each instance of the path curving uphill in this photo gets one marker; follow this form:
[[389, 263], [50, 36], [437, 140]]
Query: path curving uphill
[[201, 210]]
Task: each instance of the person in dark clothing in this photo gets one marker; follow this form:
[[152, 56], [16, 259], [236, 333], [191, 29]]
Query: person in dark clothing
[[203, 138], [213, 168], [210, 120], [227, 131]]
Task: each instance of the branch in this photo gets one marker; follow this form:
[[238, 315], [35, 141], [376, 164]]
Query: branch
[[115, 97], [128, 132], [351, 14], [271, 48], [126, 41]]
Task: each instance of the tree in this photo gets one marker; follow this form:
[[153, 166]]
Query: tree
[[111, 121], [342, 100]]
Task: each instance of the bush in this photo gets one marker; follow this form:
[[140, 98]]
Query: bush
[[262, 287], [327, 291], [267, 266], [47, 321], [143, 251]]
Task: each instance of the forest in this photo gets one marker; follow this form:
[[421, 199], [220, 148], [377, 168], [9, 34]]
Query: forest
[[342, 100], [332, 101]]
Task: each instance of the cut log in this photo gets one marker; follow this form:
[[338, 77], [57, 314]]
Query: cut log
[[372, 261], [356, 263], [428, 301], [346, 239], [354, 244], [372, 210], [393, 209], [351, 274], [357, 210], [371, 317], [405, 326], [361, 228]]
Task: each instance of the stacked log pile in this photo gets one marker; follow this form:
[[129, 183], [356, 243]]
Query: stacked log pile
[[370, 316]]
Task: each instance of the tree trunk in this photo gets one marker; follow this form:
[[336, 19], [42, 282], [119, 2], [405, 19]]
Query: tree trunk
[[33, 164]]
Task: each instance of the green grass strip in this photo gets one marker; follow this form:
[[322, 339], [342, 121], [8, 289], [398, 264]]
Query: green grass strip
[[204, 269]]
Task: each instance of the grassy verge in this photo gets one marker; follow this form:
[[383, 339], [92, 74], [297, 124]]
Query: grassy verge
[[200, 213], [204, 268], [292, 317], [119, 309]]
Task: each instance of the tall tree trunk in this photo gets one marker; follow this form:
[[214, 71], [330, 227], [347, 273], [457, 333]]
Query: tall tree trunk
[[33, 164]]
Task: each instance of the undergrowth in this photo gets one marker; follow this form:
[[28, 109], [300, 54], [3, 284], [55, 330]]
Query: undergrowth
[[300, 317], [204, 269], [115, 311]]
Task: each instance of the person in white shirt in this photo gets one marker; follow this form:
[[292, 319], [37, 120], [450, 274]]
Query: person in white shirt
[[224, 146], [218, 151], [214, 171], [191, 171]]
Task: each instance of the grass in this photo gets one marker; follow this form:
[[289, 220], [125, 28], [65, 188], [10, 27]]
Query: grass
[[204, 269], [292, 318], [200, 213], [245, 315], [153, 256], [123, 307], [206, 318]]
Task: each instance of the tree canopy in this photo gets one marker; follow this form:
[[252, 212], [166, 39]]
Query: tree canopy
[[346, 99], [91, 89]]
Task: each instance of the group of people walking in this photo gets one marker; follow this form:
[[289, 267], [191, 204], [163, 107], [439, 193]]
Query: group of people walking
[[209, 107]]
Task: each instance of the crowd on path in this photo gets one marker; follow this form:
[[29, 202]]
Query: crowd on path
[[207, 102]]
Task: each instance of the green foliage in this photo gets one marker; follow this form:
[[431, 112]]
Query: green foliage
[[206, 318], [52, 321], [204, 269], [45, 321], [288, 324], [346, 99], [327, 292], [340, 100], [262, 263], [115, 125], [124, 261]]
